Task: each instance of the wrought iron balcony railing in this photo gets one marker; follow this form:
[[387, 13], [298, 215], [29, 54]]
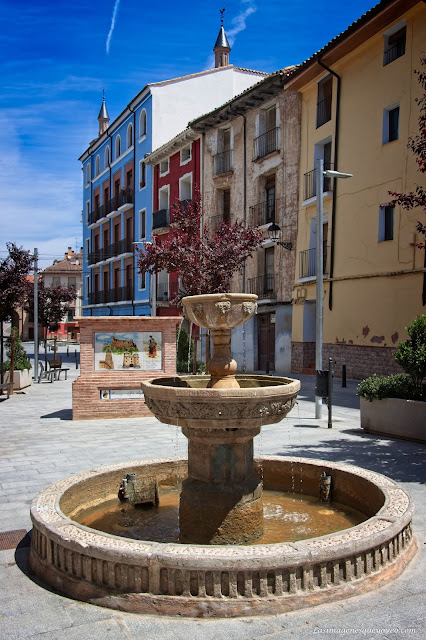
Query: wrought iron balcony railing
[[323, 111], [126, 196], [161, 218], [308, 262], [223, 162], [264, 212], [266, 143], [263, 286], [310, 184], [395, 51], [119, 294]]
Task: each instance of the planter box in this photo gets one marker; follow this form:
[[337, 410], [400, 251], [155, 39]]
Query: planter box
[[21, 379], [394, 417]]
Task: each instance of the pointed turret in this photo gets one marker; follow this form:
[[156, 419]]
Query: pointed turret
[[103, 117], [221, 48]]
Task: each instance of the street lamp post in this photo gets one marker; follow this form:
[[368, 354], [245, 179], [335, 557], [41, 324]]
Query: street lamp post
[[319, 316]]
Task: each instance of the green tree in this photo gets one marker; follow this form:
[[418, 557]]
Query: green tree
[[411, 354], [20, 360]]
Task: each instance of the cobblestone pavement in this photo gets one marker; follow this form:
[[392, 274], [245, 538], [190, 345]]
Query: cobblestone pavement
[[41, 444]]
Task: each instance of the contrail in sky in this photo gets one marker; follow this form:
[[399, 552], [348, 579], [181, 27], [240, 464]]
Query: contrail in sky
[[114, 15], [239, 22]]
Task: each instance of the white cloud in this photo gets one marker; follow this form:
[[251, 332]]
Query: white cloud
[[239, 22], [114, 16]]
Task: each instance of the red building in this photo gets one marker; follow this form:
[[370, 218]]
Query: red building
[[176, 177]]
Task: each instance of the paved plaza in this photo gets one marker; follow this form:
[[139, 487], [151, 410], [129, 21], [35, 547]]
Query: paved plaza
[[40, 444]]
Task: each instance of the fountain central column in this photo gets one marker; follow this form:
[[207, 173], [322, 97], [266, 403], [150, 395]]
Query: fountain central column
[[221, 499]]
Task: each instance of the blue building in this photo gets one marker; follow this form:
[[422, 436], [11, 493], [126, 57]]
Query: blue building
[[117, 184]]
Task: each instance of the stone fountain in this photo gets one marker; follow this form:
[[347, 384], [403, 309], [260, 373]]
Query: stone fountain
[[212, 572], [221, 499]]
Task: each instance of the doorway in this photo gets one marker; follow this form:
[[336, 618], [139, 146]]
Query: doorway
[[266, 341]]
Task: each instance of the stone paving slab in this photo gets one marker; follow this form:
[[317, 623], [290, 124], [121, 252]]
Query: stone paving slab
[[40, 444]]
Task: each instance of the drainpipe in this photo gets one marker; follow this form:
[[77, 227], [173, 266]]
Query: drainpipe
[[244, 189], [336, 150], [134, 207]]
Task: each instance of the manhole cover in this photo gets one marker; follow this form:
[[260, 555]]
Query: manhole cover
[[11, 539]]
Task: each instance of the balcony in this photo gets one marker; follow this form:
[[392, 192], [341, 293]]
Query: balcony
[[323, 111], [119, 294], [96, 256], [310, 184], [396, 50], [263, 286], [308, 263], [120, 202], [167, 291], [266, 143], [161, 219], [223, 162], [264, 212], [118, 248]]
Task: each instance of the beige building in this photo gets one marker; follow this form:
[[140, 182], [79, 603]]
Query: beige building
[[67, 273], [358, 111], [251, 148]]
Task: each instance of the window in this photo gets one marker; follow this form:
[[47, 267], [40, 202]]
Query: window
[[223, 159], [56, 281], [324, 101], [129, 136], [322, 150], [142, 280], [72, 282], [185, 188], [87, 174], [270, 200], [142, 224], [268, 133], [87, 248], [390, 124], [142, 174], [88, 211], [386, 218], [97, 166], [394, 46], [117, 147], [142, 124], [107, 156], [163, 198], [164, 167], [185, 154]]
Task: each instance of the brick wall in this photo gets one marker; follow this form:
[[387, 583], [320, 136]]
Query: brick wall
[[361, 362], [87, 403]]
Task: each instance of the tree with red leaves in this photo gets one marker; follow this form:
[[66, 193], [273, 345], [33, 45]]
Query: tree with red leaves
[[417, 144], [53, 305], [206, 260]]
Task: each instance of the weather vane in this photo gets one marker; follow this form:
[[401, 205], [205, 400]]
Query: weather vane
[[222, 11]]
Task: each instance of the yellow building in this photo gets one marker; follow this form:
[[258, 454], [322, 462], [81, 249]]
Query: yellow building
[[358, 111]]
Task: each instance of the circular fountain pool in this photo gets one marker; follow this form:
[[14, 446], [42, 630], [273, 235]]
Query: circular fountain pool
[[221, 580]]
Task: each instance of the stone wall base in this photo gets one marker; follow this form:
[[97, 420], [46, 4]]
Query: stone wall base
[[361, 361]]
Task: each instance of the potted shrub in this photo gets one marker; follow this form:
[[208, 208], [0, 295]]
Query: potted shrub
[[21, 364], [396, 405]]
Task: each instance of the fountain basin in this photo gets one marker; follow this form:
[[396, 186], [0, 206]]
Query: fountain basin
[[186, 401], [202, 581]]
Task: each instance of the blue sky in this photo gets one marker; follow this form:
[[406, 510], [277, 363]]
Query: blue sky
[[57, 57]]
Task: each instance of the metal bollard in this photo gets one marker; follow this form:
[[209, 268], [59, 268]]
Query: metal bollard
[[330, 392], [343, 376], [68, 350]]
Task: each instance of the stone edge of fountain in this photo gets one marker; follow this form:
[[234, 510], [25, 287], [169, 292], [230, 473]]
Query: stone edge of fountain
[[152, 577]]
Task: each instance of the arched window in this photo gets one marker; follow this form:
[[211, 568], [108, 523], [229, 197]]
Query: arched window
[[106, 157], [142, 124], [87, 173], [97, 166], [117, 147], [129, 135]]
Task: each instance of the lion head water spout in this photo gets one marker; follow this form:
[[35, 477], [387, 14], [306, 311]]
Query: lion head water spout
[[221, 499]]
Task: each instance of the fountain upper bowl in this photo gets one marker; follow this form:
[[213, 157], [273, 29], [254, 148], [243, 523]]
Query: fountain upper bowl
[[187, 402], [220, 310]]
